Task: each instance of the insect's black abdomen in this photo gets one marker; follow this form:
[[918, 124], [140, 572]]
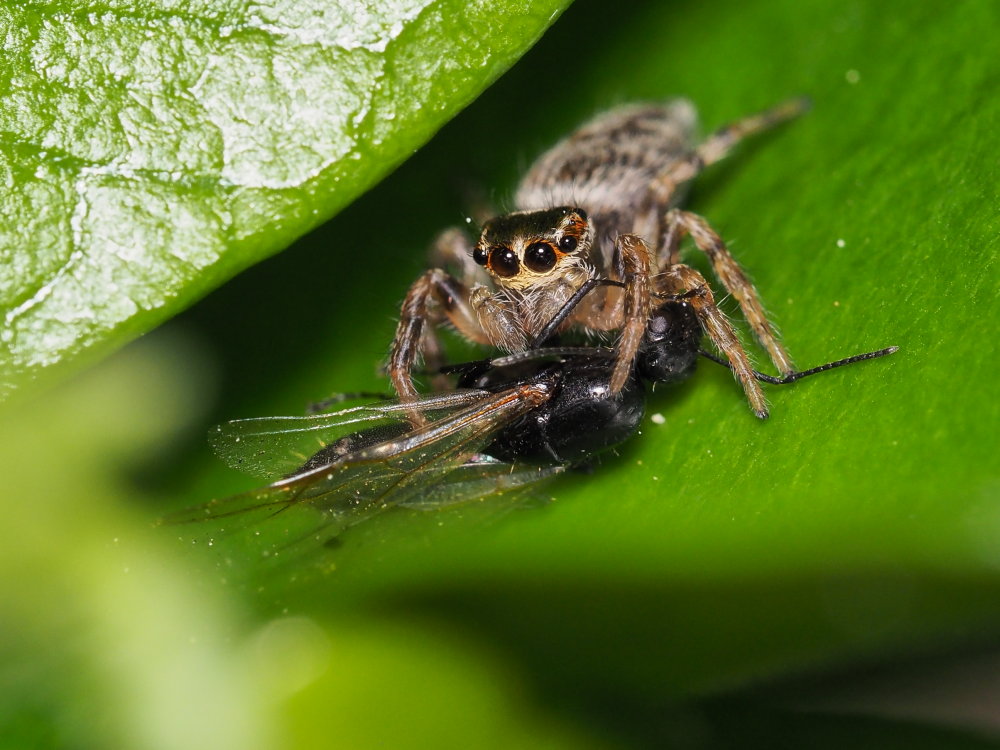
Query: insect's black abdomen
[[580, 420], [351, 444]]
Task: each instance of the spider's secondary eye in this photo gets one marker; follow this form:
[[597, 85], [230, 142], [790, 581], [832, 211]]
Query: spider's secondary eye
[[503, 261], [540, 257], [567, 244], [479, 255]]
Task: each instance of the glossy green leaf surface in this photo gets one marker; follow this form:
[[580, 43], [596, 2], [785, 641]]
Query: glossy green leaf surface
[[151, 150], [715, 553]]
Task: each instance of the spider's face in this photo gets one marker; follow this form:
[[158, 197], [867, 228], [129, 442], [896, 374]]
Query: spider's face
[[534, 248]]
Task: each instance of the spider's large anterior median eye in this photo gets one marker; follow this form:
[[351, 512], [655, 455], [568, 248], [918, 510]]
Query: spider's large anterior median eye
[[503, 261], [540, 257]]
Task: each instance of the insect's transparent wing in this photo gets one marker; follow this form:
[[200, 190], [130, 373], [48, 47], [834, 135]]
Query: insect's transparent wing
[[478, 480], [270, 447], [431, 466]]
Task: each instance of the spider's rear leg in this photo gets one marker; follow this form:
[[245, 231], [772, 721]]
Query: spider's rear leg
[[722, 141], [678, 223], [683, 280], [718, 145]]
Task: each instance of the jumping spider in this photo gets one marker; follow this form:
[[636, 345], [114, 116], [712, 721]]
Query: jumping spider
[[594, 244]]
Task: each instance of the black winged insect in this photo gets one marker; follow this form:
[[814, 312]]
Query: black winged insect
[[511, 423]]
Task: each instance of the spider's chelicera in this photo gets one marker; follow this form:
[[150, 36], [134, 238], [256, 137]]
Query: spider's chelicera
[[600, 205]]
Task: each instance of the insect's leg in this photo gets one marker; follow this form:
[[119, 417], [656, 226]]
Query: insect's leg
[[633, 261], [721, 142], [681, 278], [434, 294], [732, 276]]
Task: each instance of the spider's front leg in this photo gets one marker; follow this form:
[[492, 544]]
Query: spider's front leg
[[633, 262], [435, 296], [678, 223], [683, 281]]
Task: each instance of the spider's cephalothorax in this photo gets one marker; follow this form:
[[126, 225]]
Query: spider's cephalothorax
[[531, 249], [594, 245], [536, 260]]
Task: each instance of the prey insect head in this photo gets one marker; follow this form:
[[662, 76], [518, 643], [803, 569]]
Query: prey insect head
[[525, 247]]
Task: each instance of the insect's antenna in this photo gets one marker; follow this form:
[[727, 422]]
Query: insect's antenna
[[793, 376]]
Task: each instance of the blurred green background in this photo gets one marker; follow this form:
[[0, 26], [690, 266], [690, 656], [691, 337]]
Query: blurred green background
[[720, 583]]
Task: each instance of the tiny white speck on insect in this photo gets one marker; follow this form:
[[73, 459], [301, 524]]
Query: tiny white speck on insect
[[852, 76], [841, 243], [658, 418]]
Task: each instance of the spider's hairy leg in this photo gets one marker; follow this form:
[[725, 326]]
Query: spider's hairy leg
[[432, 297], [721, 142], [633, 261], [679, 223], [452, 250], [681, 280], [718, 145]]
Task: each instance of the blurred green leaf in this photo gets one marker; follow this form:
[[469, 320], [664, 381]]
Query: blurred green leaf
[[151, 150], [110, 637]]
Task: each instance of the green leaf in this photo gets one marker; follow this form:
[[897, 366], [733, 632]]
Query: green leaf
[[151, 150]]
